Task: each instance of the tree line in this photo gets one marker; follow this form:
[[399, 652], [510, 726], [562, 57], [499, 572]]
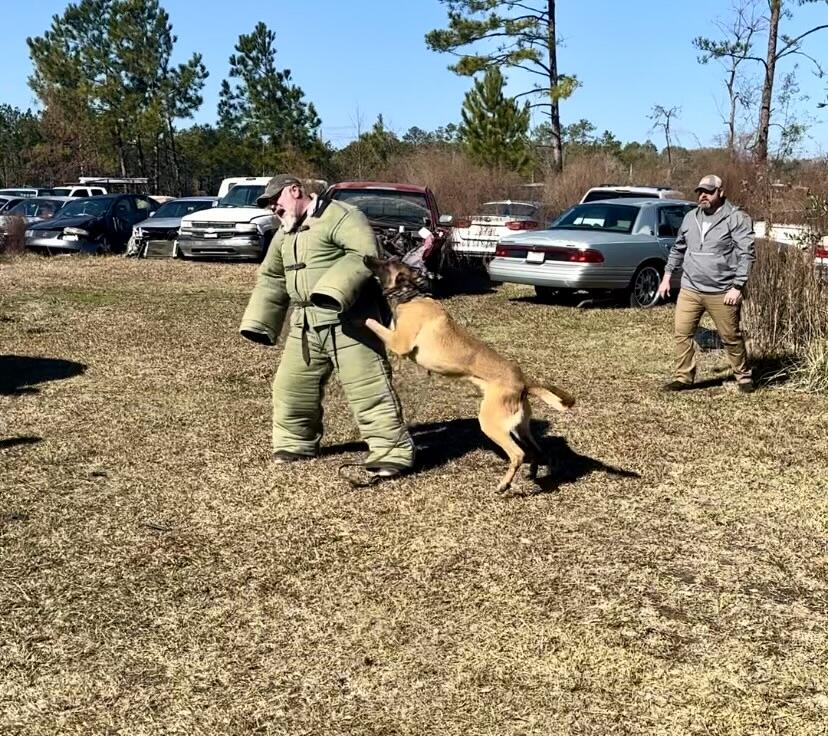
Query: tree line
[[113, 103]]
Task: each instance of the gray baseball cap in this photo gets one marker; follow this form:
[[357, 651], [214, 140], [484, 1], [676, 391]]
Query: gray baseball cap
[[274, 186], [709, 183]]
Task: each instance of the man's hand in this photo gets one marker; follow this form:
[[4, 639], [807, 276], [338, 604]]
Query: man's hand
[[664, 287], [733, 297]]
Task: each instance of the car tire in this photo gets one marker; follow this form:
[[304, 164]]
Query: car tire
[[643, 290]]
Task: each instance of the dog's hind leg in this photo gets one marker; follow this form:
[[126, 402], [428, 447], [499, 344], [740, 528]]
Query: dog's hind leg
[[527, 440], [497, 424]]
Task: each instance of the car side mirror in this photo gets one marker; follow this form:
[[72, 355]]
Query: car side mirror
[[446, 219]]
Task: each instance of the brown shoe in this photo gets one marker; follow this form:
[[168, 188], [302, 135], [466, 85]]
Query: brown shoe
[[677, 386]]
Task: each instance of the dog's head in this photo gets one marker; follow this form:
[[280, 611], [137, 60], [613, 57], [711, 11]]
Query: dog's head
[[392, 273]]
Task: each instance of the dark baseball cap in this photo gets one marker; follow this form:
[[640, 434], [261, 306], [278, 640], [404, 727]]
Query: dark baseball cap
[[276, 185]]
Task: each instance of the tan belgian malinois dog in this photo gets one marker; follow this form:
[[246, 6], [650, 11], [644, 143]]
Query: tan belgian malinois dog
[[426, 333]]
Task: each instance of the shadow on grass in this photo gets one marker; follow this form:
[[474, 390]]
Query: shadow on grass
[[439, 443], [771, 370], [16, 441], [19, 373]]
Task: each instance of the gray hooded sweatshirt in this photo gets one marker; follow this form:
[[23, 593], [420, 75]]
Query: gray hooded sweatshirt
[[717, 259]]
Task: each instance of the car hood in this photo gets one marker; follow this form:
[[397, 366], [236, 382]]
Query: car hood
[[563, 237], [160, 223], [58, 223], [228, 214]]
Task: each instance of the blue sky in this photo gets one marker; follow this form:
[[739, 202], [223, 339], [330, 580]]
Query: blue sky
[[356, 59]]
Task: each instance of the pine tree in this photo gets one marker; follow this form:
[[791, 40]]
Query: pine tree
[[263, 103], [511, 33], [111, 60], [495, 128]]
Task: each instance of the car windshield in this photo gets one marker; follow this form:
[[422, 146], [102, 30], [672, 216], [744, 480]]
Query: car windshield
[[614, 218], [242, 195], [179, 208], [508, 209], [44, 208], [387, 205], [94, 207]]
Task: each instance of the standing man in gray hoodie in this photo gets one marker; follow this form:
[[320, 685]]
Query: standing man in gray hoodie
[[715, 247]]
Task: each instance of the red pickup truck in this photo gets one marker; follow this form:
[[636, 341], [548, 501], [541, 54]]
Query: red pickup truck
[[399, 213]]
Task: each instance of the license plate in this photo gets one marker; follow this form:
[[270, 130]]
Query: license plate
[[535, 257], [210, 235], [70, 237]]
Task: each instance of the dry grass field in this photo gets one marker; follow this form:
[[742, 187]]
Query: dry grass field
[[159, 576]]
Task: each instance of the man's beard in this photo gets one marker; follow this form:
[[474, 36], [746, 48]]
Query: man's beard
[[289, 222]]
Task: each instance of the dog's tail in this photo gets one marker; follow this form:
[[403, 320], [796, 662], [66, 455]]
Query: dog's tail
[[556, 398]]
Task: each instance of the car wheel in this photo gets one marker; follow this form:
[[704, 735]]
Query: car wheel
[[643, 291], [104, 247]]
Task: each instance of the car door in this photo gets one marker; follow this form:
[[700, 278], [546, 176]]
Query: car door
[[669, 221], [123, 217]]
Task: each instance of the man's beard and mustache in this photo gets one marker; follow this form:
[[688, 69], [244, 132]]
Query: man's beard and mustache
[[289, 222]]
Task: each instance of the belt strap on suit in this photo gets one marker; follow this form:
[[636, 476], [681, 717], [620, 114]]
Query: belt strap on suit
[[305, 346]]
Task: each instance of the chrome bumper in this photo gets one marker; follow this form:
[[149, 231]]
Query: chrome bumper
[[61, 245], [559, 275], [231, 248]]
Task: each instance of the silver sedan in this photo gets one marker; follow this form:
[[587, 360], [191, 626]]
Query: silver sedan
[[604, 246]]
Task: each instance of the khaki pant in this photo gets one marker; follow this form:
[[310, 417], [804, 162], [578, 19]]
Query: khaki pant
[[690, 307], [363, 370]]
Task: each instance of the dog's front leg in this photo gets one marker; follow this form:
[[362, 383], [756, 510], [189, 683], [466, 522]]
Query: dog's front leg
[[395, 340]]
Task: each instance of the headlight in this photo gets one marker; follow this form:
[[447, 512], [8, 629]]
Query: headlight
[[80, 232], [29, 234], [138, 232], [243, 227]]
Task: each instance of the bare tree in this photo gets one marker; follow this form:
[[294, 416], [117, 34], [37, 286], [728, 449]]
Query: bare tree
[[779, 47], [662, 118], [731, 52]]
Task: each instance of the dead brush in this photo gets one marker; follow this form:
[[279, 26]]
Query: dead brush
[[12, 241], [786, 310]]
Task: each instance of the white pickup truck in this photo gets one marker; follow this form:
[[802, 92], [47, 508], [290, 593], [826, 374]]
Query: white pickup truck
[[236, 229]]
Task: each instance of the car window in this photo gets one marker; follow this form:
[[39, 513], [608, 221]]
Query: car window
[[610, 217], [388, 205], [610, 194], [242, 195], [669, 220], [179, 208], [23, 209], [96, 207], [124, 210], [508, 209], [144, 206]]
